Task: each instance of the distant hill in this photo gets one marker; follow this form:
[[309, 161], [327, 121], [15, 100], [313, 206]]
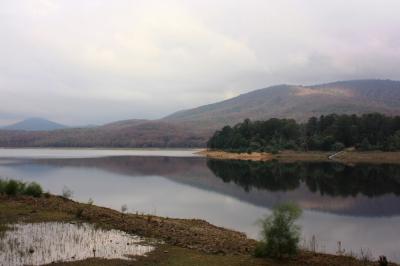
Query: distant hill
[[192, 128], [35, 124], [298, 102]]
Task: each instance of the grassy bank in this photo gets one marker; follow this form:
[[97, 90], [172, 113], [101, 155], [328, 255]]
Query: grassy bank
[[186, 241], [348, 157]]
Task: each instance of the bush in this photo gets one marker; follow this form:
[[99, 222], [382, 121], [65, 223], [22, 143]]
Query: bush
[[2, 186], [67, 193], [14, 188], [337, 146], [280, 234], [33, 189]]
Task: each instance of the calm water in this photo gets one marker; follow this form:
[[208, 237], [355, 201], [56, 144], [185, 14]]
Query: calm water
[[357, 205]]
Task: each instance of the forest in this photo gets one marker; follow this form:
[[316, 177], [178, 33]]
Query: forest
[[330, 132]]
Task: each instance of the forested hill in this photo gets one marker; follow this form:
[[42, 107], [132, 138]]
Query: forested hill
[[298, 102], [332, 132], [192, 128]]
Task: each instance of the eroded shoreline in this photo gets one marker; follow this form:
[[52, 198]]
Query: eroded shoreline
[[348, 157], [185, 241]]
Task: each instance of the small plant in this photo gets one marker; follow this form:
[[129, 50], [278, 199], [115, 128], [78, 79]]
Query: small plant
[[383, 261], [365, 256], [280, 234], [124, 208], [67, 193], [90, 201], [33, 189], [340, 251]]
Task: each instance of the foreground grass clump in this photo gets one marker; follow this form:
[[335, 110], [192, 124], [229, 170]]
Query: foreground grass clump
[[280, 234], [14, 187]]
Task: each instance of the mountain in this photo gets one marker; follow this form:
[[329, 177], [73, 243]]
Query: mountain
[[298, 102], [192, 128], [35, 124]]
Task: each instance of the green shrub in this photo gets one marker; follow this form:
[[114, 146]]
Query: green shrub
[[280, 234], [13, 188], [2, 186], [33, 189]]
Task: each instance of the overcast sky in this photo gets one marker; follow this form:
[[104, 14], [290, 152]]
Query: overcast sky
[[84, 62]]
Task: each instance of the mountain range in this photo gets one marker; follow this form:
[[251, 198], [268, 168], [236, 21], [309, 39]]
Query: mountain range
[[192, 127]]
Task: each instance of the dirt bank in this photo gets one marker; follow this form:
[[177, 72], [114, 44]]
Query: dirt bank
[[348, 157], [187, 241]]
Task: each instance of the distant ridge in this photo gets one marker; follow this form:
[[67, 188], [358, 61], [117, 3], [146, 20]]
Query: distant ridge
[[298, 102], [193, 127], [35, 124]]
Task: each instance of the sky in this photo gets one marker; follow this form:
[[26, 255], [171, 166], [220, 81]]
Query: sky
[[82, 62]]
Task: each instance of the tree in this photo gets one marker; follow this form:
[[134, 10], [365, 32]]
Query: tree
[[365, 145], [280, 234], [338, 146]]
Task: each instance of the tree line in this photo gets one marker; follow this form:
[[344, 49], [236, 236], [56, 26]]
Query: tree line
[[330, 132]]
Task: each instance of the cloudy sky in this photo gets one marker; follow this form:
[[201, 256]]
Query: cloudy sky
[[95, 61]]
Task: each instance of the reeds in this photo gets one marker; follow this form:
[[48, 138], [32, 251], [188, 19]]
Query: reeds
[[43, 243]]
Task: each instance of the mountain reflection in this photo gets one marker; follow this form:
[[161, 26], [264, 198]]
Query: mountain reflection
[[324, 178]]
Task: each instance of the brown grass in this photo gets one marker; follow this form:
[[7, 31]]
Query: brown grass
[[254, 156], [348, 156]]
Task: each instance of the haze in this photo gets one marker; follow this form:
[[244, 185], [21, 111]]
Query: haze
[[86, 62]]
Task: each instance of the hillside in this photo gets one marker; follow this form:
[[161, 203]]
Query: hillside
[[121, 134], [192, 128], [298, 102], [35, 124]]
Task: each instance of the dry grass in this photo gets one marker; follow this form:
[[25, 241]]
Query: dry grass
[[254, 156], [348, 157]]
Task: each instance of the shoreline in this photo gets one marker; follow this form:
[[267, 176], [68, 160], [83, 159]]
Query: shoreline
[[289, 156], [185, 241]]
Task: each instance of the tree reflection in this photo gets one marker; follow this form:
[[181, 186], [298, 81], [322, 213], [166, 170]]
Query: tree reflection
[[325, 178]]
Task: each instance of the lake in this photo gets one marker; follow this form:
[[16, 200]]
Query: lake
[[358, 206]]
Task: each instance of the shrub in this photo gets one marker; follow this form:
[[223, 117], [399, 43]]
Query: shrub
[[33, 189], [383, 261], [13, 188], [337, 146], [124, 208], [2, 186], [280, 234], [67, 193], [365, 145]]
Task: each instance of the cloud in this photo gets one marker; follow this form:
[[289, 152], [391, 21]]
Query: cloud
[[96, 61]]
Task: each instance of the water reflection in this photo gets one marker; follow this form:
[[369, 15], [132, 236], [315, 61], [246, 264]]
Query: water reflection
[[357, 205], [324, 178]]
